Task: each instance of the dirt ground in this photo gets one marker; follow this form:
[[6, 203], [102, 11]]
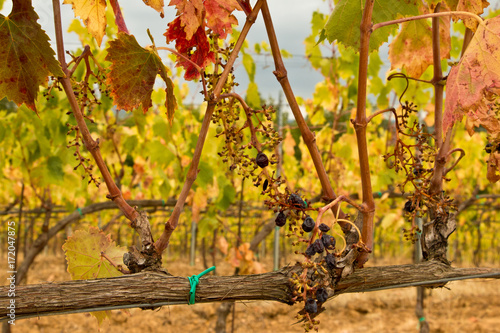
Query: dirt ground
[[467, 306]]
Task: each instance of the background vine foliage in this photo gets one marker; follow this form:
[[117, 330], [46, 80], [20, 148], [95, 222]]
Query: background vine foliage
[[115, 114]]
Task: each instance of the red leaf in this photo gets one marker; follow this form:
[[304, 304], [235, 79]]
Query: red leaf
[[197, 49], [219, 17], [133, 73], [26, 58], [188, 30]]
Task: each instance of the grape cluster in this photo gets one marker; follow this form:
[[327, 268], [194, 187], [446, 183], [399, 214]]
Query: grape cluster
[[415, 154], [412, 234], [249, 136]]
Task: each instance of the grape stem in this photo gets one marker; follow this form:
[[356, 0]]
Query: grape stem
[[91, 145], [195, 65], [462, 154], [309, 138], [162, 243], [426, 16], [360, 123]]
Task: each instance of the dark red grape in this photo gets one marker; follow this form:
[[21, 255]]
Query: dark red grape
[[264, 187], [330, 261], [418, 171], [311, 306], [324, 228], [488, 148], [321, 295], [310, 250], [308, 224], [328, 241], [280, 219], [409, 206], [318, 246], [296, 201], [262, 160]]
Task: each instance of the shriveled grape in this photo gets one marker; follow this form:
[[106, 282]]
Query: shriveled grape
[[308, 224], [311, 306], [262, 160], [409, 206], [328, 241], [310, 251], [330, 261], [280, 219], [318, 246], [324, 228], [321, 295], [296, 201]]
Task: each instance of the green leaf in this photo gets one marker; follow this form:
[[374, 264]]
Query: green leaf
[[249, 64], [206, 226], [226, 197], [160, 153], [140, 121], [26, 58], [205, 174], [130, 144], [165, 189], [2, 132], [160, 128], [133, 73], [253, 97], [345, 20], [55, 169]]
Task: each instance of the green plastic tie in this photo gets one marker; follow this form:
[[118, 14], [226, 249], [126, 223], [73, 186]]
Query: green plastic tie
[[79, 210], [421, 319], [193, 281], [163, 202]]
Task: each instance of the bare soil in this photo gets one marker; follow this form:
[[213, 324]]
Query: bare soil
[[463, 306]]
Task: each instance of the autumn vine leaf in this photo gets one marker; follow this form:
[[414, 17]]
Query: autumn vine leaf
[[83, 253], [473, 6], [188, 30], [412, 47], [473, 88], [474, 84], [85, 261], [156, 5], [343, 24], [133, 73], [219, 16], [26, 58], [93, 14]]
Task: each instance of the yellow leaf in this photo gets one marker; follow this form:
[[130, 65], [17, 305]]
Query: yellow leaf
[[93, 14], [412, 47], [156, 5], [473, 6]]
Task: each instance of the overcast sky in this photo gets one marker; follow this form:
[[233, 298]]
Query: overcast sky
[[291, 21]]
